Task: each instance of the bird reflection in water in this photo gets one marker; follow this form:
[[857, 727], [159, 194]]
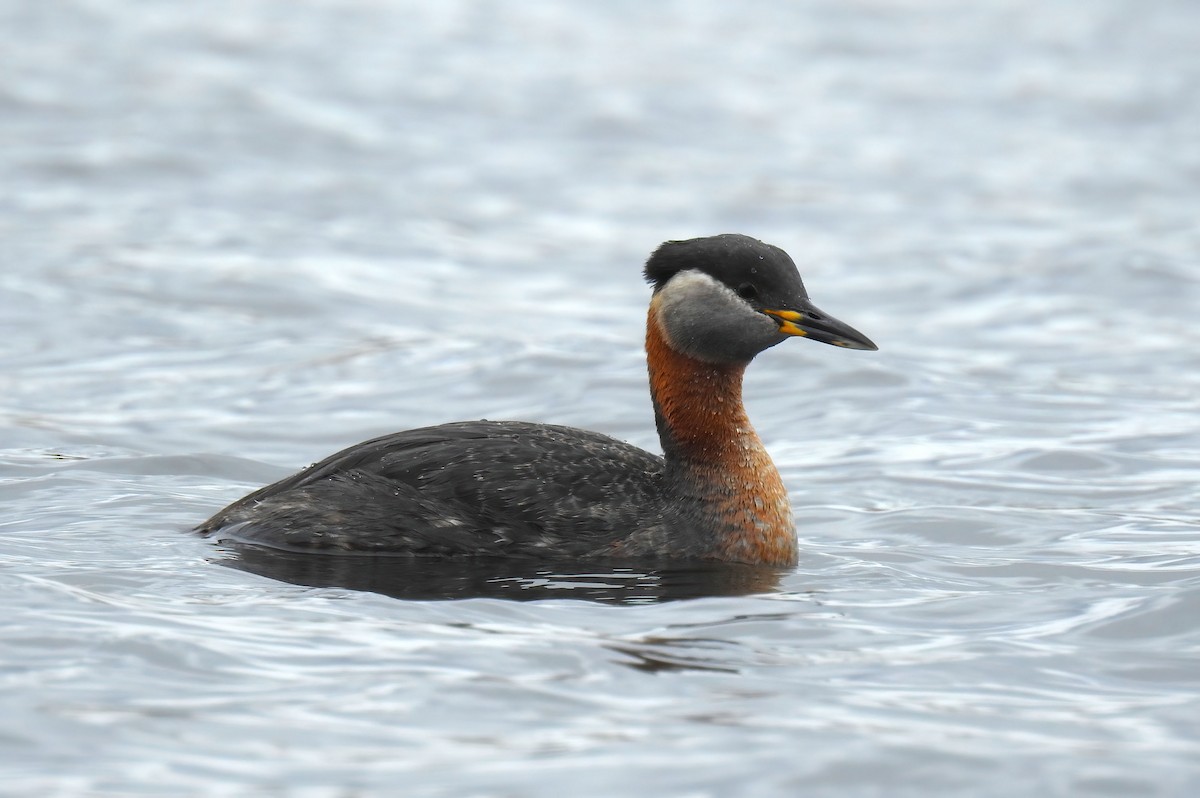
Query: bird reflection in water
[[424, 578]]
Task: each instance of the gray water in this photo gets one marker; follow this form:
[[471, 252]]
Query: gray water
[[237, 236]]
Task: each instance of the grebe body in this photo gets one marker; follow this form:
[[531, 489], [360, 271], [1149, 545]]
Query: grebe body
[[509, 488]]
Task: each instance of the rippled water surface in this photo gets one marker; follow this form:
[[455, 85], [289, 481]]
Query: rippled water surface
[[240, 235]]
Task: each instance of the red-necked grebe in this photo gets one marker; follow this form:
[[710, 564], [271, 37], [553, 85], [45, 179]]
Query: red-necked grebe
[[511, 488]]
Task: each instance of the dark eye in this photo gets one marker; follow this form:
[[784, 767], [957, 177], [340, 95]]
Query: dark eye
[[747, 291]]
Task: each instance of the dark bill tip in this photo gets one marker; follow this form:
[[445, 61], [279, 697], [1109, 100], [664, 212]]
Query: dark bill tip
[[809, 321]]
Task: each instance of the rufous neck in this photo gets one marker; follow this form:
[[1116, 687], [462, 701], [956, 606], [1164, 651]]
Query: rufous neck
[[714, 456], [697, 404]]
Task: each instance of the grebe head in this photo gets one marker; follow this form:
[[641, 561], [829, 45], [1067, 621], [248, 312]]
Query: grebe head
[[724, 299]]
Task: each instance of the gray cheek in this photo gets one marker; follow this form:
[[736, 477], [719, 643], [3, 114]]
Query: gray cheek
[[714, 330]]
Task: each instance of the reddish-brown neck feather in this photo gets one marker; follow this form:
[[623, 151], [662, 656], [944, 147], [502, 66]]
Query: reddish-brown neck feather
[[710, 443], [700, 403]]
